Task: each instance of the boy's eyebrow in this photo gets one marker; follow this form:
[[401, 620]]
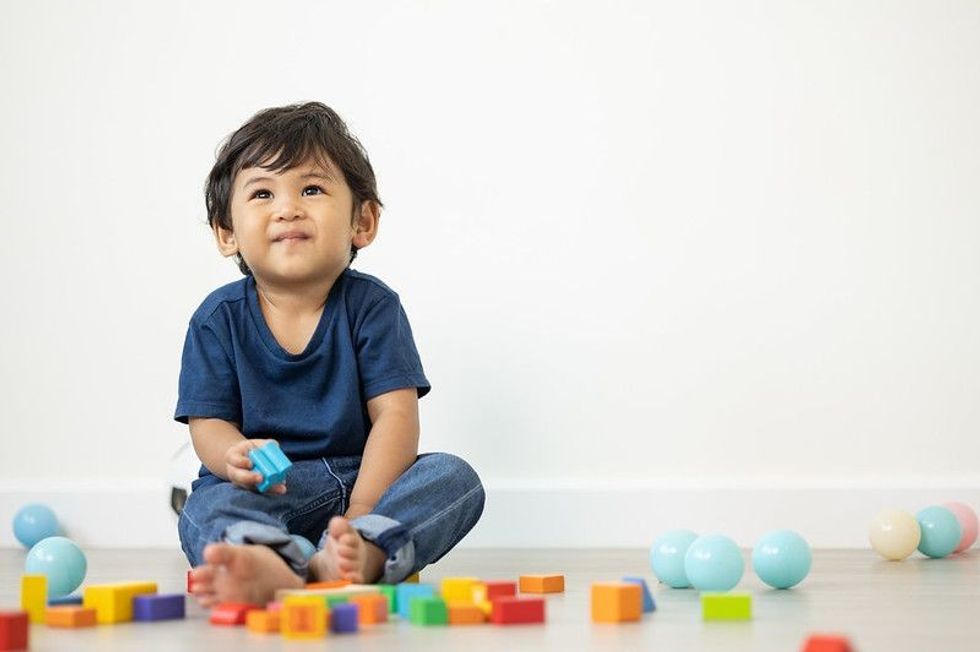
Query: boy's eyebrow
[[308, 175]]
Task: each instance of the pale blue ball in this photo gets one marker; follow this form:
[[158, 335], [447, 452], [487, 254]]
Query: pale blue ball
[[667, 557], [941, 531], [782, 559], [713, 563], [61, 561], [34, 522], [308, 548]]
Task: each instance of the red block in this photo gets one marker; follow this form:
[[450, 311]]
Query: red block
[[827, 643], [514, 611], [231, 613], [500, 589], [13, 630]]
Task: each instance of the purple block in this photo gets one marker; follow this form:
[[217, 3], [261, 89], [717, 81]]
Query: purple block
[[65, 600], [343, 618], [158, 607]]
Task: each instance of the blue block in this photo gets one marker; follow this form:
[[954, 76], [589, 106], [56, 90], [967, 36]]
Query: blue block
[[648, 603], [65, 600], [271, 462], [343, 618], [158, 607], [405, 592]]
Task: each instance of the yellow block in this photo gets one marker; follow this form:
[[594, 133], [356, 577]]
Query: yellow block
[[542, 583], [34, 596], [303, 617], [113, 603], [262, 622], [459, 589], [412, 579]]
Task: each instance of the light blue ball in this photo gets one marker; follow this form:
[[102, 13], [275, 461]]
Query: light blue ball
[[667, 557], [61, 560], [941, 531], [713, 563], [782, 559], [308, 548], [35, 522]]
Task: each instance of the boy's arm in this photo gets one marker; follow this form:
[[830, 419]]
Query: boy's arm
[[392, 447], [223, 449]]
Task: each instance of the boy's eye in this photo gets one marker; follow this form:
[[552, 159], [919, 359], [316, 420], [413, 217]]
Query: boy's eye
[[257, 193], [318, 189]]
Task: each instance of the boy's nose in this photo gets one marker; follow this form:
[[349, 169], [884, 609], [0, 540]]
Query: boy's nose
[[288, 210]]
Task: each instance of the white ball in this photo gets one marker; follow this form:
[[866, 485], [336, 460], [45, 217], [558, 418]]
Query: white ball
[[894, 534]]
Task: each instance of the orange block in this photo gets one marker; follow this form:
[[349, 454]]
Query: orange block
[[262, 622], [372, 608], [331, 584], [69, 616], [304, 617], [616, 602], [465, 613], [542, 583]]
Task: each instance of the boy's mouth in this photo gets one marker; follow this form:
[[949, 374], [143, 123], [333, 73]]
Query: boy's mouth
[[291, 235]]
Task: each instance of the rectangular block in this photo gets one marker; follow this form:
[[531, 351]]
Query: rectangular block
[[406, 592], [517, 611], [616, 602], [303, 617], [347, 591], [726, 606], [428, 611], [542, 583], [34, 596], [465, 613], [14, 630], [372, 608], [271, 462], [648, 604], [344, 618], [827, 643], [113, 603], [489, 590], [231, 613], [158, 607], [332, 584], [263, 621], [459, 589], [414, 578], [69, 616]]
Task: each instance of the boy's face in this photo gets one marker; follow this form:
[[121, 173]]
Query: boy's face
[[296, 226]]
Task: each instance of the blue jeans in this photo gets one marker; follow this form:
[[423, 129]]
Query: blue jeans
[[421, 516]]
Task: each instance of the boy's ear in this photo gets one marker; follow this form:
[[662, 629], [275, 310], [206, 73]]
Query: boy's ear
[[225, 239], [366, 224]]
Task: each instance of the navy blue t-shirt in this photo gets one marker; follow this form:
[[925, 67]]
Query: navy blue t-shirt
[[315, 402]]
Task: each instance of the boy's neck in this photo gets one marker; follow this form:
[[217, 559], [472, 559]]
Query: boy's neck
[[295, 299]]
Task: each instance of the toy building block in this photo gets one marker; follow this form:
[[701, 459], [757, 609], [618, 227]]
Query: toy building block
[[616, 602], [331, 584], [69, 616], [344, 618], [303, 617], [113, 603], [487, 591], [516, 611], [271, 462], [372, 608], [428, 611], [465, 613], [726, 606], [324, 594], [34, 596], [263, 621], [458, 589], [542, 583], [827, 643], [65, 600], [414, 578], [14, 628], [648, 603], [231, 613], [406, 592], [158, 607], [389, 591]]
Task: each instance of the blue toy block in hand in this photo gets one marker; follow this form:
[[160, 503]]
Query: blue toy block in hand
[[271, 462]]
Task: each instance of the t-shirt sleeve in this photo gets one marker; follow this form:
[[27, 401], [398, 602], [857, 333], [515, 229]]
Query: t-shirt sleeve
[[386, 353], [208, 384]]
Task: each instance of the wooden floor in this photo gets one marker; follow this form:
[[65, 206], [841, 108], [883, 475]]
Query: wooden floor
[[917, 604]]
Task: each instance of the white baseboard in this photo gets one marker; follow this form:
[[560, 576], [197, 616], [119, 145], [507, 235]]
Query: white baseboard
[[535, 515]]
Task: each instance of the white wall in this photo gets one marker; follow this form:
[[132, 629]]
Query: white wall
[[645, 247]]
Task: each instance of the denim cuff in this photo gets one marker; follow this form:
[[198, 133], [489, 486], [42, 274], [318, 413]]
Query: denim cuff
[[250, 532], [392, 537]]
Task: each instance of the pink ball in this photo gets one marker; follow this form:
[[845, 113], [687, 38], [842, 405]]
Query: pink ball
[[968, 522]]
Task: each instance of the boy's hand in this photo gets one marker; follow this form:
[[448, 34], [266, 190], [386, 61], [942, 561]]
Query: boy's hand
[[238, 467]]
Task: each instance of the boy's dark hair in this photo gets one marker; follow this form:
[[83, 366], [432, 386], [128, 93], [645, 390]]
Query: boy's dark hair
[[293, 134]]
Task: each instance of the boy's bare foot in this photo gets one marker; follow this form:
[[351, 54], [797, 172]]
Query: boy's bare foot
[[347, 556], [247, 573]]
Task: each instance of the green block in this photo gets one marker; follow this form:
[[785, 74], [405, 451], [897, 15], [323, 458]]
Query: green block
[[428, 611], [336, 599], [389, 592], [726, 606]]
